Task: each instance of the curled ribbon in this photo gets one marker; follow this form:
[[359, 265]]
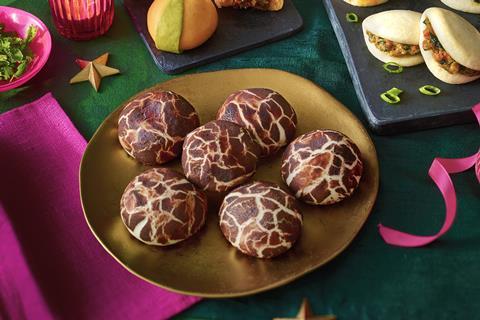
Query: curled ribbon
[[439, 172]]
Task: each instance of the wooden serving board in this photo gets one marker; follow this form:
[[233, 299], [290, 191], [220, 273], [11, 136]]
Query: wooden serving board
[[416, 111], [238, 30]]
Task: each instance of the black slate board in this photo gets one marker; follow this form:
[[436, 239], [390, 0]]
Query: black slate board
[[416, 111], [238, 30]]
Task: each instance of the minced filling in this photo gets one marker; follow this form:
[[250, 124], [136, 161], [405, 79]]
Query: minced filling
[[392, 48], [446, 61], [244, 4]]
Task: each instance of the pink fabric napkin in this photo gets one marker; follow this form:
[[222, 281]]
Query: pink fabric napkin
[[51, 266]]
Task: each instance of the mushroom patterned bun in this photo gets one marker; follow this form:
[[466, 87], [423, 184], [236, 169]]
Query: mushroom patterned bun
[[160, 207], [152, 126], [322, 167], [260, 219], [219, 156], [265, 113]]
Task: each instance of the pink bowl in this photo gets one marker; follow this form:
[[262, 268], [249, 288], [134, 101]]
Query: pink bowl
[[18, 20]]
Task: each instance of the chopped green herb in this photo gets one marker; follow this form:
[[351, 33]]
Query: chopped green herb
[[15, 55], [430, 90], [352, 17], [393, 67], [31, 33], [436, 43], [391, 96]]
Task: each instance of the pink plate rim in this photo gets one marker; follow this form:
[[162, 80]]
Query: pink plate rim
[[43, 55]]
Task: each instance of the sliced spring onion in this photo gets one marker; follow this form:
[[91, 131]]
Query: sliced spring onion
[[391, 96], [352, 17], [395, 91], [430, 90], [393, 67]]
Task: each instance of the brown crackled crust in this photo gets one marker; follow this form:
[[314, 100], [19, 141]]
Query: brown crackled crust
[[152, 126], [161, 207], [219, 156], [265, 113], [260, 219], [322, 167]]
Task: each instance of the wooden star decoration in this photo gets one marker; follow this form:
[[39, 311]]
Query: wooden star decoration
[[305, 313], [94, 71]]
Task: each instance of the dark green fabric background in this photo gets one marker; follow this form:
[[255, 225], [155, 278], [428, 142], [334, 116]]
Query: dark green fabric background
[[370, 280]]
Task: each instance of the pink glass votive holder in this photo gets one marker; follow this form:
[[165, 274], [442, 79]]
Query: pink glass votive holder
[[82, 19]]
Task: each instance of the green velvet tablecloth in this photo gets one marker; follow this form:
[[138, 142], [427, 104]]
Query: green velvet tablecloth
[[370, 280]]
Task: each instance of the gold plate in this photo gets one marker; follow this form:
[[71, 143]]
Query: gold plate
[[206, 265]]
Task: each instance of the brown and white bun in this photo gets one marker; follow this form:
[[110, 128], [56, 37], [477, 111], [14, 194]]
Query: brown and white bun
[[160, 207], [260, 219], [365, 3], [458, 38], [219, 156], [200, 20], [322, 167], [471, 6], [265, 113], [270, 5], [153, 125], [398, 26]]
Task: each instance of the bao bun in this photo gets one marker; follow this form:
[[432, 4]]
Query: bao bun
[[400, 26], [365, 3], [463, 5], [459, 39]]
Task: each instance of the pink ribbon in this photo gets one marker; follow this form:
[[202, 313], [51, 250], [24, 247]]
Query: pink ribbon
[[439, 172]]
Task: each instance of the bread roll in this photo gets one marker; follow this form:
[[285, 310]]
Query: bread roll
[[177, 25], [450, 46], [471, 6], [393, 36], [365, 3]]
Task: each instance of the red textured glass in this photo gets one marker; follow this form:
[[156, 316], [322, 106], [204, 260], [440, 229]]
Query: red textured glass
[[82, 19]]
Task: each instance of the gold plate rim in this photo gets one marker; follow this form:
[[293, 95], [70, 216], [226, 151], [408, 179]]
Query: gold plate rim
[[279, 283]]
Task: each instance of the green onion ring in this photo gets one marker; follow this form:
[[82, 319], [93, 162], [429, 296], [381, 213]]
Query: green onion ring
[[396, 67], [352, 17], [430, 90], [391, 96]]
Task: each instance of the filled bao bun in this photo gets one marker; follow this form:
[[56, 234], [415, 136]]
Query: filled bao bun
[[472, 6], [392, 36], [450, 46], [365, 3]]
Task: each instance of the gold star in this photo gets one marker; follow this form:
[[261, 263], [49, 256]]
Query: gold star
[[94, 71], [306, 313]]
